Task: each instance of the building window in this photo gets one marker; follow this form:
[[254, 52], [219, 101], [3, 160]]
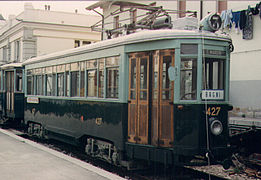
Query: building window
[[77, 43], [221, 5], [5, 53], [86, 42], [133, 16], [17, 51], [181, 8], [116, 24]]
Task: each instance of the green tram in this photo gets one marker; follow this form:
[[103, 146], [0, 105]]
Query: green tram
[[11, 94], [159, 96]]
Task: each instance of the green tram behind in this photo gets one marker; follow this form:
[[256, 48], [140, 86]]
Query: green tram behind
[[11, 94], [157, 96]]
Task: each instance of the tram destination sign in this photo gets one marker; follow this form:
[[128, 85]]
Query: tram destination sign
[[34, 100], [212, 94], [214, 52]]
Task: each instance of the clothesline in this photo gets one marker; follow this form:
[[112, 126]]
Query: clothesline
[[242, 19]]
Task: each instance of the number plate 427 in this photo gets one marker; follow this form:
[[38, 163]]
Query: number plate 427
[[213, 111]]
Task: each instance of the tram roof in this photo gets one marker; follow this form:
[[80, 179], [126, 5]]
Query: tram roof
[[11, 65], [142, 36]]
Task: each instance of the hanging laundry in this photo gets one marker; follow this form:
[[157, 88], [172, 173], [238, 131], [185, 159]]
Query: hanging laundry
[[236, 18], [248, 29], [242, 21], [259, 8], [255, 10], [226, 17]]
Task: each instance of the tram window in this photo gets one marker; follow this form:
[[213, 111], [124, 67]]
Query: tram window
[[60, 83], [50, 85], [101, 78], [166, 83], [133, 79], [75, 83], [29, 85], [39, 84], [67, 81], [143, 78], [188, 79], [92, 83], [214, 74], [1, 80], [189, 49], [82, 84], [155, 76], [19, 81], [112, 82], [82, 77]]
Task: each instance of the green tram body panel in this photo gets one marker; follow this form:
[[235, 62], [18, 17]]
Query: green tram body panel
[[18, 111], [189, 136], [74, 119], [2, 103]]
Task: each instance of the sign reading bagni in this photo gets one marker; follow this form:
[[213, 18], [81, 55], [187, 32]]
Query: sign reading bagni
[[212, 94]]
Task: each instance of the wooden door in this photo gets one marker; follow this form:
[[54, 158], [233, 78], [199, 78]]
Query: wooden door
[[162, 133], [151, 98], [138, 106]]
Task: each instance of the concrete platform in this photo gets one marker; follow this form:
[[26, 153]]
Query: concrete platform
[[21, 159]]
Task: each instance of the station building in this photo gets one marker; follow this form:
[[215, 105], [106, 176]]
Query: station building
[[245, 85], [36, 32]]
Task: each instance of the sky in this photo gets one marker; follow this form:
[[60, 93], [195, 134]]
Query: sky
[[16, 7]]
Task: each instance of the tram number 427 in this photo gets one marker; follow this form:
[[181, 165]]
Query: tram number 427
[[213, 111]]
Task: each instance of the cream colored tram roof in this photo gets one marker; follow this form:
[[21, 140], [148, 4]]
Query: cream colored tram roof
[[11, 65], [142, 36]]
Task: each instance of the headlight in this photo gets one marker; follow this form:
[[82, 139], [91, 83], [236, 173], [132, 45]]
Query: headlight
[[216, 127]]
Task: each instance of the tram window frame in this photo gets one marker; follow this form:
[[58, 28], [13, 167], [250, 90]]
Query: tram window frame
[[112, 64], [189, 53], [50, 84], [219, 67], [82, 78], [1, 86], [39, 84], [29, 82], [91, 81], [188, 90], [19, 80], [60, 84], [75, 79], [101, 75]]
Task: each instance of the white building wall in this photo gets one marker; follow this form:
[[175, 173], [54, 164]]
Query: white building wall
[[46, 45], [245, 85]]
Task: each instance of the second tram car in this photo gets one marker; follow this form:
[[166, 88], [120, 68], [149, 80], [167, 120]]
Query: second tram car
[[11, 94]]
